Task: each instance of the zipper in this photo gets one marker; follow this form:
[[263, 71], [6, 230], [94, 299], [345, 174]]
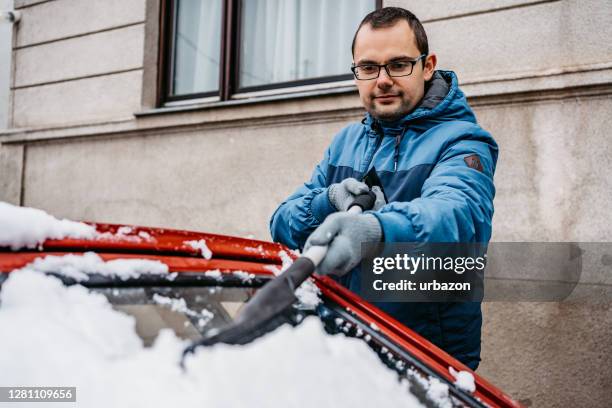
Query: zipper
[[398, 140], [379, 137]]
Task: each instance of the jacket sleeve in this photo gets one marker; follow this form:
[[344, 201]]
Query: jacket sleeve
[[303, 211], [456, 203]]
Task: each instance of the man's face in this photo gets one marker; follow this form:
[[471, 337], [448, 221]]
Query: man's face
[[390, 98]]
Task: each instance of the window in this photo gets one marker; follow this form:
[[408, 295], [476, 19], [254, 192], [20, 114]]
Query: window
[[188, 311], [216, 49]]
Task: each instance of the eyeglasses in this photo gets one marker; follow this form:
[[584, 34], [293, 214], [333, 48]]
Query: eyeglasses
[[394, 69]]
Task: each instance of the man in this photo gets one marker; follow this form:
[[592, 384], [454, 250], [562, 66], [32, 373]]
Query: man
[[434, 161]]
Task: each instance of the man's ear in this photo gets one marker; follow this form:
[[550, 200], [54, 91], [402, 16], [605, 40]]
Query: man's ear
[[430, 66]]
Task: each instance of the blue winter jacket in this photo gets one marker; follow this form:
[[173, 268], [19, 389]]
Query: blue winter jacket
[[436, 191]]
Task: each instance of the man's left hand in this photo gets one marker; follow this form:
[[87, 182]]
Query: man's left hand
[[343, 233], [380, 198]]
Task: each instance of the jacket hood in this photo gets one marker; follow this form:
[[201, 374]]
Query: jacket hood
[[443, 101]]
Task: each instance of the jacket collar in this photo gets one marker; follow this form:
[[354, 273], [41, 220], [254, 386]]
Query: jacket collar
[[442, 98]]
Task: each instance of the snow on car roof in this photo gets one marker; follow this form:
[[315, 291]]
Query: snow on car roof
[[80, 267], [24, 227]]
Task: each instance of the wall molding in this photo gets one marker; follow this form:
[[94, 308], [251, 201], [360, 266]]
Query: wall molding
[[131, 128], [487, 11], [21, 4], [84, 34]]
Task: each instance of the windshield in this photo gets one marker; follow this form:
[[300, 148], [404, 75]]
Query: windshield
[[188, 311]]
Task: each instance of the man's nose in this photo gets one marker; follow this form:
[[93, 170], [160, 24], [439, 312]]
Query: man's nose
[[384, 80]]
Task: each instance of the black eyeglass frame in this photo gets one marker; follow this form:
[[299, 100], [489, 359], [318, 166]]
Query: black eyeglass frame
[[386, 67]]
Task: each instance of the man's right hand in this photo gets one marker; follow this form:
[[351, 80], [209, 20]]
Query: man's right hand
[[343, 194]]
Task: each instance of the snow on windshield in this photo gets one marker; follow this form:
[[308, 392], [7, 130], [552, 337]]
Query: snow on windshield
[[308, 294], [463, 379], [24, 227], [67, 336]]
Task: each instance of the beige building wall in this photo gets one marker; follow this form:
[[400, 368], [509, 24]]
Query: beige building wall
[[6, 35], [84, 142]]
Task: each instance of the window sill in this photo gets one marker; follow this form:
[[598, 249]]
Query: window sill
[[337, 101], [250, 99]]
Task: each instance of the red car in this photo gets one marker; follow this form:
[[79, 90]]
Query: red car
[[228, 279]]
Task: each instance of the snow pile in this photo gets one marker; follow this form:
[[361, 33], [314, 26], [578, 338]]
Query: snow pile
[[37, 312], [125, 230], [301, 367], [273, 268], [66, 336], [79, 267], [286, 260], [215, 274], [176, 305], [463, 379], [22, 227], [258, 249], [126, 234], [200, 246], [437, 392], [179, 305], [308, 294], [244, 276], [145, 235]]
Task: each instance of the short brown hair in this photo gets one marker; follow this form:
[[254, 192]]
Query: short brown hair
[[387, 17]]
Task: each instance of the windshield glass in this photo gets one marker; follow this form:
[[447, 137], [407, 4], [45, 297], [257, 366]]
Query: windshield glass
[[190, 312]]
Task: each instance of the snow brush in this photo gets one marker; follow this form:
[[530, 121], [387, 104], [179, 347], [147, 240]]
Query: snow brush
[[268, 308]]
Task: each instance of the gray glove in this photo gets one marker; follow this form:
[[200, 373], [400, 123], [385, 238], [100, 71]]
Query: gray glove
[[342, 194], [344, 233], [380, 198]]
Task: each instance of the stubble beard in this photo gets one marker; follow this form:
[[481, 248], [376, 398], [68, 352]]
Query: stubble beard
[[386, 115]]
